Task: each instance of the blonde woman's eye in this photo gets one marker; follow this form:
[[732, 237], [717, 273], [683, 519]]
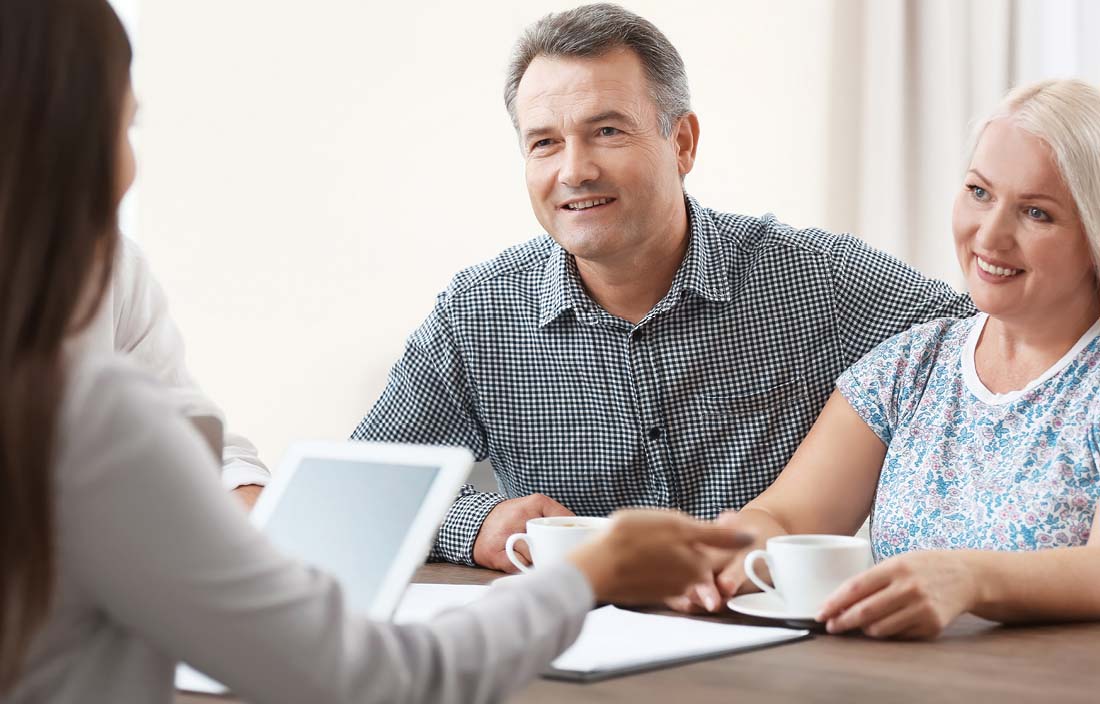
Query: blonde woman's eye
[[1038, 214]]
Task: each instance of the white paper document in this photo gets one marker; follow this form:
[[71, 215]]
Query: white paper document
[[612, 639], [615, 639], [189, 679]]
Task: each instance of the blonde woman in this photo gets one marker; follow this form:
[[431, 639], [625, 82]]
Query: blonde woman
[[974, 444]]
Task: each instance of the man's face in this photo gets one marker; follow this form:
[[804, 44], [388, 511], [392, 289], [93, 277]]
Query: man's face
[[602, 179]]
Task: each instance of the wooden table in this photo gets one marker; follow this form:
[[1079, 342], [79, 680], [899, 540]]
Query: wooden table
[[975, 661]]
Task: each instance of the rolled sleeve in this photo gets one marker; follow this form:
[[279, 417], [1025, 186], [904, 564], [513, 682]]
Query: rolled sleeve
[[238, 473], [458, 533]]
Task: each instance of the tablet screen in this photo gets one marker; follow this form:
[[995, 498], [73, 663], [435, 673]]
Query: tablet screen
[[349, 518]]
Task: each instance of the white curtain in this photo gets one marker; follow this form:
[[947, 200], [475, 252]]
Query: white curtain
[[1056, 38], [907, 79]]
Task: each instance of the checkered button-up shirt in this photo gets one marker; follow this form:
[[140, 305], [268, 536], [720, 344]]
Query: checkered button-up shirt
[[698, 406]]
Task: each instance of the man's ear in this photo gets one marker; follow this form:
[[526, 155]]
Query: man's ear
[[686, 138]]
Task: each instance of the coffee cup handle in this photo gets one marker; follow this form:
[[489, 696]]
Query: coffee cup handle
[[510, 550], [750, 572]]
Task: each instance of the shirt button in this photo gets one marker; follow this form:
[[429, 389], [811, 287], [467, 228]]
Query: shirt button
[[654, 433]]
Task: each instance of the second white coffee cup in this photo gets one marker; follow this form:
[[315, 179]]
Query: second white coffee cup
[[550, 539], [806, 569]]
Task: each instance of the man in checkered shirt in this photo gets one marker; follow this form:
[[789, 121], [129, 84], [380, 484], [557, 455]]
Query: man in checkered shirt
[[649, 351]]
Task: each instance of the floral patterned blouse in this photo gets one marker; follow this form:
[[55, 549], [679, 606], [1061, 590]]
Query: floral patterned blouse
[[968, 468]]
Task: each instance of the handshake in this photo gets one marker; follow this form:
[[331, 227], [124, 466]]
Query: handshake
[[638, 556]]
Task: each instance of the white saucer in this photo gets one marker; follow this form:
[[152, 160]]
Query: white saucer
[[765, 605]]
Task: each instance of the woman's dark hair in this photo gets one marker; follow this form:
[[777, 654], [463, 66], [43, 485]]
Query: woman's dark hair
[[64, 77]]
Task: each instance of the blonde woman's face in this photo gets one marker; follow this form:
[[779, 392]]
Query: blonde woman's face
[[1018, 236]]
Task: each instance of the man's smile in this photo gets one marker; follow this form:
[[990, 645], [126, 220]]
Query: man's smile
[[587, 204]]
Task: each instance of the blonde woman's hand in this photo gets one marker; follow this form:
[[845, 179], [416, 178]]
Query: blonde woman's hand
[[914, 595], [648, 555]]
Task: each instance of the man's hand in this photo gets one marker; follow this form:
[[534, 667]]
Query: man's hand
[[248, 494], [509, 517]]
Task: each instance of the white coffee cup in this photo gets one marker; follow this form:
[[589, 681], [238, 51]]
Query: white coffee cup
[[807, 569], [550, 539]]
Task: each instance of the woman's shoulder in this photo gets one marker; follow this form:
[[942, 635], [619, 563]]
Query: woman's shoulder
[[936, 333], [108, 404], [99, 382], [1085, 375], [922, 344]]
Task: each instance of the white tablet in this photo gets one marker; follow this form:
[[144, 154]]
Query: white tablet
[[366, 513]]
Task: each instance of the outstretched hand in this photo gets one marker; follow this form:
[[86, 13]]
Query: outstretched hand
[[649, 555], [727, 577]]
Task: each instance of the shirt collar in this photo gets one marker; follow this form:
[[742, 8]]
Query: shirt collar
[[703, 271], [562, 289]]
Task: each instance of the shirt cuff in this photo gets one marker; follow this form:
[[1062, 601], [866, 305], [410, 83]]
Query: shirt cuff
[[237, 473], [458, 533]]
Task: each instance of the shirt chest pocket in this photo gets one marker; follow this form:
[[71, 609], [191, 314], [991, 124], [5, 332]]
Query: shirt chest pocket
[[738, 442], [761, 405]]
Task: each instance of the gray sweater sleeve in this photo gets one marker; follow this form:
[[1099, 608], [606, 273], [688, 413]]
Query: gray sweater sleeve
[[148, 539]]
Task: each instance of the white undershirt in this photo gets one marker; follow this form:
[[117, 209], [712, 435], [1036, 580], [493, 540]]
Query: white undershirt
[[970, 372]]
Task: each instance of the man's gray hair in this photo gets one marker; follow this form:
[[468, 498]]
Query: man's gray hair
[[591, 31]]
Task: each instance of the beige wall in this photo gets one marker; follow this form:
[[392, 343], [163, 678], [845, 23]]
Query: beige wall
[[312, 173]]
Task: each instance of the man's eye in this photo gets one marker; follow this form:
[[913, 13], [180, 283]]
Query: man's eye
[[542, 143], [608, 131]]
